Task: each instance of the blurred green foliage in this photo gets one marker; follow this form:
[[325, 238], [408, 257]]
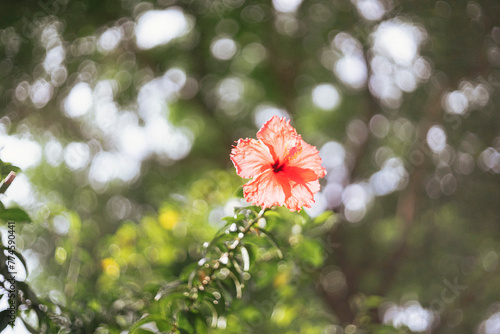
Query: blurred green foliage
[[124, 150]]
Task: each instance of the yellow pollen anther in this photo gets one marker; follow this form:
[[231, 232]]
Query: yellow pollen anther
[[293, 149]]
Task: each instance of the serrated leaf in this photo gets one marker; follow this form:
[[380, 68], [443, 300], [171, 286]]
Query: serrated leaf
[[15, 214]]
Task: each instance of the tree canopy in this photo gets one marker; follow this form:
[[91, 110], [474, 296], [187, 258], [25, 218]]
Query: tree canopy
[[121, 116]]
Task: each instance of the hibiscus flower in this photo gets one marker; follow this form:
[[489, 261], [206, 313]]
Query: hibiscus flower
[[284, 168]]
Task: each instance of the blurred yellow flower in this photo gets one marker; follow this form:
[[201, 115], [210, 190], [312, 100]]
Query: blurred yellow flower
[[168, 219], [281, 279], [111, 268]]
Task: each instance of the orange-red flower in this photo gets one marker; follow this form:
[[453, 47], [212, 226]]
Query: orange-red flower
[[285, 169]]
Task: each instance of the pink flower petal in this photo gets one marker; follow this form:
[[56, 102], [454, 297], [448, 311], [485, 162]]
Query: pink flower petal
[[299, 175], [279, 136], [309, 158], [266, 189], [250, 157], [302, 195]]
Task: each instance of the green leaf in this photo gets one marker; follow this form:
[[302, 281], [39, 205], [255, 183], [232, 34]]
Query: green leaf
[[238, 286], [272, 213], [163, 325], [172, 297], [239, 192], [272, 240], [187, 271], [142, 331], [29, 294], [136, 327], [6, 168], [311, 251], [184, 321], [373, 302], [19, 256], [15, 214], [4, 319], [193, 321], [217, 300], [322, 218], [273, 217], [29, 327], [221, 234]]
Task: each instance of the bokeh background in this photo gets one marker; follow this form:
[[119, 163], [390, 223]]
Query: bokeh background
[[122, 114]]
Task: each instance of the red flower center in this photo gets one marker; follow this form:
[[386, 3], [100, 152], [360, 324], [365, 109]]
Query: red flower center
[[277, 167]]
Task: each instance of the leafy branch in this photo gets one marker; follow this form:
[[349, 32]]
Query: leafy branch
[[22, 299], [208, 287]]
